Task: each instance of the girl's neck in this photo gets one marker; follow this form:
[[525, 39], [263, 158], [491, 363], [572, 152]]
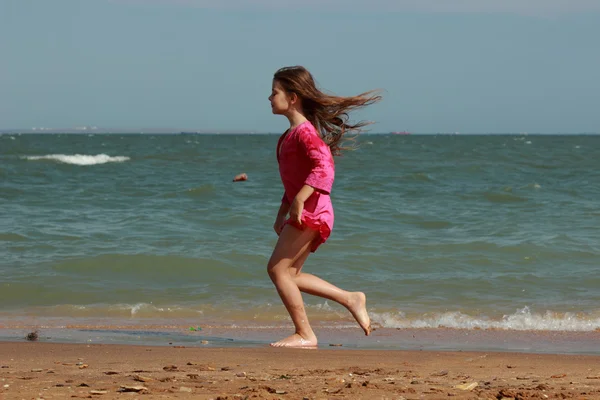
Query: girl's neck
[[296, 118]]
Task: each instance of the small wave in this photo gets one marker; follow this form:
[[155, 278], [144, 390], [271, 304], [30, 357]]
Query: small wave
[[150, 310], [12, 237], [10, 193], [201, 190], [79, 159], [418, 176], [148, 268], [505, 197], [521, 320], [120, 310], [534, 186], [423, 222]]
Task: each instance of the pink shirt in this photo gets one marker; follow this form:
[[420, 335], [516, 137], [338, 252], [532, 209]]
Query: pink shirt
[[304, 159]]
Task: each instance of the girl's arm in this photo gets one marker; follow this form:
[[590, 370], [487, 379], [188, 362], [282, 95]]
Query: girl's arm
[[322, 168], [304, 194], [298, 203], [283, 209]]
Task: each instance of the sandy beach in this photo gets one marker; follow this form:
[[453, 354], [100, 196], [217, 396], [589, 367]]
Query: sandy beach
[[32, 370]]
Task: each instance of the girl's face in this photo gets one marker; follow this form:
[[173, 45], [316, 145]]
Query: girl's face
[[281, 101]]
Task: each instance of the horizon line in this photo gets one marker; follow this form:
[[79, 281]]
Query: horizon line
[[232, 132]]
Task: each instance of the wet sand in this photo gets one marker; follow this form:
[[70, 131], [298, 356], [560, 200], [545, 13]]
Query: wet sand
[[32, 370], [350, 337]]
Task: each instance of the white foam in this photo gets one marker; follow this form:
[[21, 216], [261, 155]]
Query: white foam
[[323, 307], [80, 159], [137, 307], [521, 320], [144, 310]]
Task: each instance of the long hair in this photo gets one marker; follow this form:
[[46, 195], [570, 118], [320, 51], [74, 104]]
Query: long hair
[[328, 113]]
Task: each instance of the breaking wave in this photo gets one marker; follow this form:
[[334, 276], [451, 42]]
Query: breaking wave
[[521, 320], [80, 159]]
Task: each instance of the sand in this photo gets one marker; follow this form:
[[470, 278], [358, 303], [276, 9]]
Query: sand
[[32, 370]]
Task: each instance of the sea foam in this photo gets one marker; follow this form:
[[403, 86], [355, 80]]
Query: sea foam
[[521, 320], [80, 159]]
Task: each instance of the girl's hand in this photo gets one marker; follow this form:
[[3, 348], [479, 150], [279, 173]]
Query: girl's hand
[[278, 225], [296, 211]]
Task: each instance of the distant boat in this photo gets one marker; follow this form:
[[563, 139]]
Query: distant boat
[[401, 133]]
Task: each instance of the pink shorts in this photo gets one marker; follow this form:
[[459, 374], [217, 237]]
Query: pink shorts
[[323, 229]]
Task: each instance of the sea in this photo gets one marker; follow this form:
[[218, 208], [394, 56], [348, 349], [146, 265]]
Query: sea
[[481, 241]]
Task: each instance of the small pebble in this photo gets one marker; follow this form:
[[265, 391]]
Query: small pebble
[[141, 378], [467, 386], [137, 389]]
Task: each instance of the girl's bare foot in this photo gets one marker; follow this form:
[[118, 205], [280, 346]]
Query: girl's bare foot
[[296, 341], [358, 307]]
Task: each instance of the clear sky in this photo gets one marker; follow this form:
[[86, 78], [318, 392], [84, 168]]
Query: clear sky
[[446, 66]]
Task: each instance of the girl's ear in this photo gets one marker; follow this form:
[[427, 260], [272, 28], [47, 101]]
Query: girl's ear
[[293, 98]]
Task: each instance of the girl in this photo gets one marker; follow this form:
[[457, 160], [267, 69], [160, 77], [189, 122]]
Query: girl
[[318, 122]]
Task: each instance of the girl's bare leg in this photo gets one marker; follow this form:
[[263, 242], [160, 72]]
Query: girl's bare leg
[[355, 302], [291, 245]]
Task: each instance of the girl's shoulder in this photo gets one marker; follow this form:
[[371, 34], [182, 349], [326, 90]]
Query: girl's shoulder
[[306, 128], [308, 137]]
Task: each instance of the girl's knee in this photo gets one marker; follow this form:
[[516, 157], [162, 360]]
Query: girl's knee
[[272, 270], [272, 273], [277, 269]]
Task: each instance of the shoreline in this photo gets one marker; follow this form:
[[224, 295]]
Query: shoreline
[[342, 337], [51, 370]]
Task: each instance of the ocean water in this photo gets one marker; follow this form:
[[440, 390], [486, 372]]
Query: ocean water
[[440, 231]]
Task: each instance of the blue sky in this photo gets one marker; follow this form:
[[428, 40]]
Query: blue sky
[[446, 66]]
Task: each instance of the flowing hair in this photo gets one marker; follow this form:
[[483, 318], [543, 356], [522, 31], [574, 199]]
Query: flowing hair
[[328, 113]]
